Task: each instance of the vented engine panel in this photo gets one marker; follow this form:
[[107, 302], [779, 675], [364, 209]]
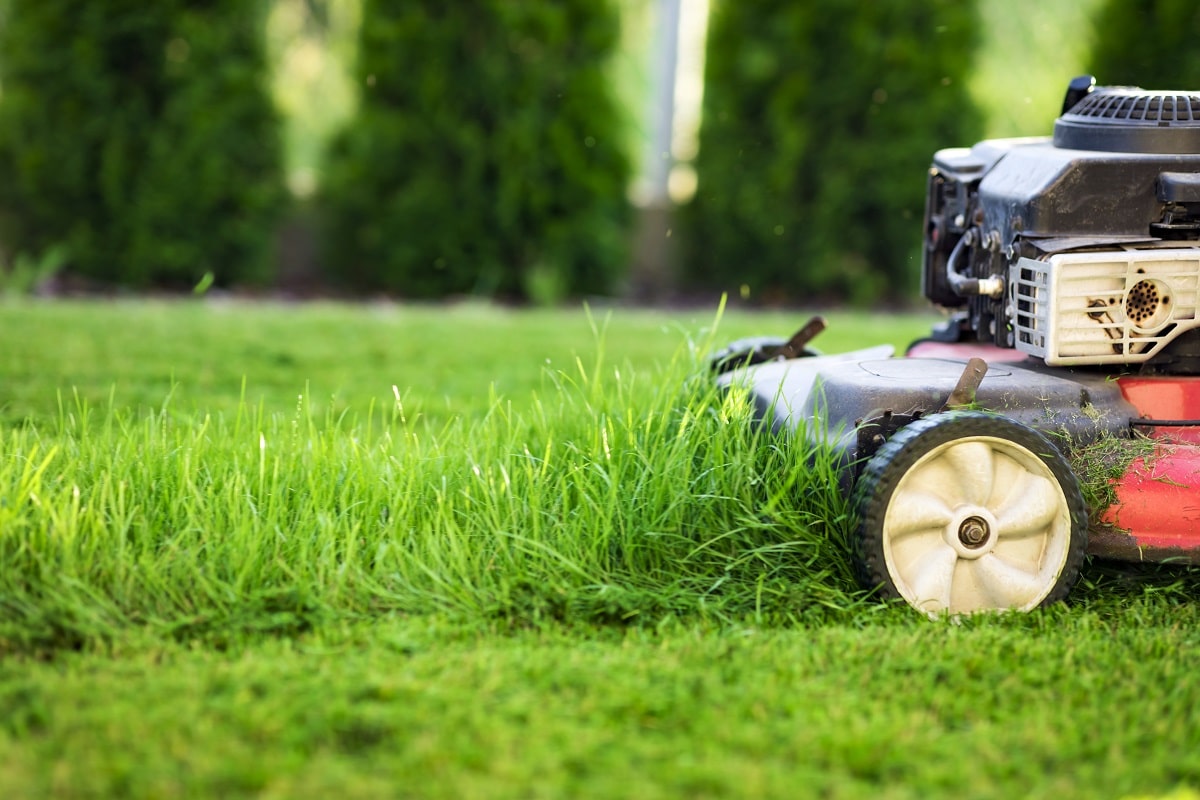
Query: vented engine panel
[[1104, 308]]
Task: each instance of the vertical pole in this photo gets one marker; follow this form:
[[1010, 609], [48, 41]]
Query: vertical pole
[[651, 273], [662, 101]]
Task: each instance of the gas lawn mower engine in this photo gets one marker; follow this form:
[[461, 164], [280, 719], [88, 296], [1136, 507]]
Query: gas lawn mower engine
[[1083, 248], [1070, 266]]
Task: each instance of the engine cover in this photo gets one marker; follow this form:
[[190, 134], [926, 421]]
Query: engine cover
[[1080, 248]]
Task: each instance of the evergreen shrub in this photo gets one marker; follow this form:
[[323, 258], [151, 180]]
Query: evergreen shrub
[[487, 153], [1148, 43], [140, 138], [820, 122]]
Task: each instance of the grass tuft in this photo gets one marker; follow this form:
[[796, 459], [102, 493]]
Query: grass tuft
[[607, 500]]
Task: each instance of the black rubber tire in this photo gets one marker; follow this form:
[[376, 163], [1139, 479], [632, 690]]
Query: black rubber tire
[[883, 473]]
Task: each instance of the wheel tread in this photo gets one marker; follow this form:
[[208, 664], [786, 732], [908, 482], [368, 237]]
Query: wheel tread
[[892, 460]]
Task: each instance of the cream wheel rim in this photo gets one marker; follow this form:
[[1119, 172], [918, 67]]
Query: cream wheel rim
[[978, 523]]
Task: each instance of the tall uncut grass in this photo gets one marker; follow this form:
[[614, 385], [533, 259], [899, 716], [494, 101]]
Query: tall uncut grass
[[611, 497]]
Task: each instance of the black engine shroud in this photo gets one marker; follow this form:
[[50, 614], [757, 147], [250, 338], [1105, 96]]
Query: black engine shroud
[[1121, 173]]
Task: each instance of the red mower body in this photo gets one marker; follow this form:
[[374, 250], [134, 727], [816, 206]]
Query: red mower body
[[1156, 516]]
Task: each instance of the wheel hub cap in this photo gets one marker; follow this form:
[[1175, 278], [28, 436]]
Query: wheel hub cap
[[973, 532]]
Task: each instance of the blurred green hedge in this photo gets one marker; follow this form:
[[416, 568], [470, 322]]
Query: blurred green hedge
[[140, 137], [1148, 43], [820, 121], [487, 154]]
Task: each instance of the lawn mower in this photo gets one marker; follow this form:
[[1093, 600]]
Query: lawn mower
[[1055, 413]]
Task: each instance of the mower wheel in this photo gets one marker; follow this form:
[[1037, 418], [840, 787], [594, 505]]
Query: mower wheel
[[964, 511]]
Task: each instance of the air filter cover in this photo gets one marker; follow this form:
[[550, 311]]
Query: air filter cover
[[1123, 119]]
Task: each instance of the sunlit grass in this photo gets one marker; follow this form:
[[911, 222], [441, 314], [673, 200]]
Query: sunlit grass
[[302, 550], [608, 497]]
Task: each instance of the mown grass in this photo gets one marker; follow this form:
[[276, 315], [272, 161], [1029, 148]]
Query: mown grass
[[298, 550], [1063, 705], [212, 357]]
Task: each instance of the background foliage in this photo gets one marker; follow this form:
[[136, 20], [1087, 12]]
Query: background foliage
[[1029, 50], [1148, 43], [487, 153], [140, 138], [819, 123]]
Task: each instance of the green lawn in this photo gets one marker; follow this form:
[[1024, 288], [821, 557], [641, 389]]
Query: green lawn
[[445, 360], [319, 550]]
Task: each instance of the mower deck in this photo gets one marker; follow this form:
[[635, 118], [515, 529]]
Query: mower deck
[[853, 402]]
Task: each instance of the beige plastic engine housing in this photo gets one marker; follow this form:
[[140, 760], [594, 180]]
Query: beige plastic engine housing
[[1112, 307]]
